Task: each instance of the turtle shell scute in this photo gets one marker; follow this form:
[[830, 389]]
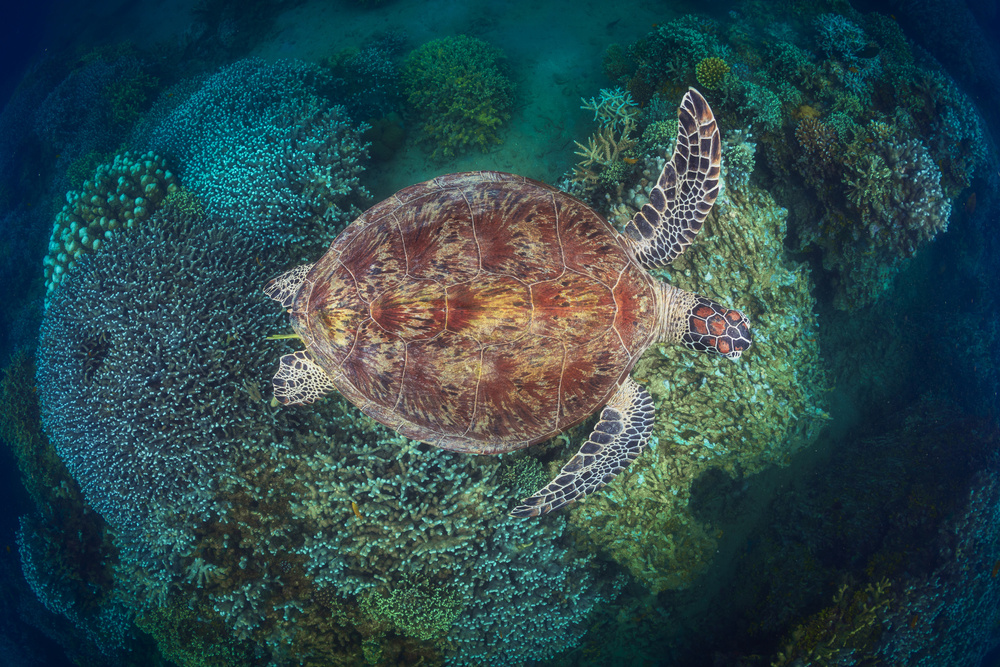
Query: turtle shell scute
[[479, 312]]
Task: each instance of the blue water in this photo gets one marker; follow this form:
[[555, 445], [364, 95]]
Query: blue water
[[832, 497]]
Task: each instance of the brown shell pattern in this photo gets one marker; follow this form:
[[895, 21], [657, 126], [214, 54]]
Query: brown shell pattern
[[479, 312]]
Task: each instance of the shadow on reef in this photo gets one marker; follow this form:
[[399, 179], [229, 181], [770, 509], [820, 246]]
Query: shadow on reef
[[838, 564]]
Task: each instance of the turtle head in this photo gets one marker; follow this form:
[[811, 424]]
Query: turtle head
[[712, 327]]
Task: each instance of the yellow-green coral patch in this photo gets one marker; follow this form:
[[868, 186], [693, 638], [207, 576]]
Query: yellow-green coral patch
[[741, 416]]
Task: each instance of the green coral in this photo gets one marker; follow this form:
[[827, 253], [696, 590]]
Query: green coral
[[458, 87], [525, 476], [712, 72], [42, 471], [850, 627], [740, 417], [194, 638], [420, 610], [129, 97], [121, 194]]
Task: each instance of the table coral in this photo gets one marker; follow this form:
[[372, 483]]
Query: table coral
[[741, 417], [457, 86], [149, 362]]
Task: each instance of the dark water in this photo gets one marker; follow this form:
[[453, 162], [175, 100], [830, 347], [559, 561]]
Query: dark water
[[832, 497]]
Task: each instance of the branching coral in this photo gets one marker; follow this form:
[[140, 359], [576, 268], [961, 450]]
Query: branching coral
[[603, 165], [711, 72], [458, 87], [260, 144], [896, 205], [147, 360]]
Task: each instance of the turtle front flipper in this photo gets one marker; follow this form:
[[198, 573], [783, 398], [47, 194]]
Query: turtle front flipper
[[618, 438], [300, 380], [684, 193], [284, 288]]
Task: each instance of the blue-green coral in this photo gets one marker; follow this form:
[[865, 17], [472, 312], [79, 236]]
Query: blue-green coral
[[458, 87], [263, 146], [149, 362]]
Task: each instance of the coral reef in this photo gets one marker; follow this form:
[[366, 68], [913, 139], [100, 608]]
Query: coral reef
[[346, 540], [711, 72], [149, 363], [369, 78], [830, 105], [94, 104], [21, 428], [643, 519], [260, 144], [458, 87], [895, 546], [738, 158], [122, 194]]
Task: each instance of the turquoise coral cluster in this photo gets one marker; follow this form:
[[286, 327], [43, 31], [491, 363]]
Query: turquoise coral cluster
[[262, 146]]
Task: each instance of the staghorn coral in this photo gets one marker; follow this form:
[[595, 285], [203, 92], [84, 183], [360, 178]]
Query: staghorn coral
[[149, 360], [122, 194], [642, 519], [613, 107], [609, 153], [344, 516], [458, 88], [260, 144]]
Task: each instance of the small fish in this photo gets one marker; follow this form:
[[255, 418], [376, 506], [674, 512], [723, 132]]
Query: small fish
[[853, 70], [996, 569], [913, 620], [630, 160], [354, 506]]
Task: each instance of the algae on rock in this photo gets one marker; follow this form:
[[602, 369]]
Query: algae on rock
[[739, 417]]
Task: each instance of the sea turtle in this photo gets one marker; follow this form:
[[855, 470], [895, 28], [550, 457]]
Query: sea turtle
[[484, 312]]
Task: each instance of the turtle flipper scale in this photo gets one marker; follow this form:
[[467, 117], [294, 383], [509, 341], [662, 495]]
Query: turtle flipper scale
[[284, 287], [617, 439], [300, 380], [685, 191]]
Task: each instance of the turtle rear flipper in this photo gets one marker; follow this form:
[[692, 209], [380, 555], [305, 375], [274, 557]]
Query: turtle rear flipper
[[300, 380], [618, 438], [284, 288], [684, 193]]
